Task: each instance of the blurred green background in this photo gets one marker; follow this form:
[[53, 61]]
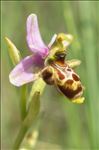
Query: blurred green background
[[63, 125]]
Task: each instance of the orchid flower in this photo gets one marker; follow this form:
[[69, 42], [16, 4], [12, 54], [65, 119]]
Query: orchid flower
[[24, 72]]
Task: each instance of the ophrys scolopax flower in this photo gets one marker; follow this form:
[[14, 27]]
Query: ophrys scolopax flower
[[51, 63]]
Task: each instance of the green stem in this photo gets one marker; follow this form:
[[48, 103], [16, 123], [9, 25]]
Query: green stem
[[20, 136], [31, 116], [23, 101]]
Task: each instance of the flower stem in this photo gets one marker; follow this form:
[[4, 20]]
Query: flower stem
[[20, 136], [33, 109], [23, 101], [31, 116]]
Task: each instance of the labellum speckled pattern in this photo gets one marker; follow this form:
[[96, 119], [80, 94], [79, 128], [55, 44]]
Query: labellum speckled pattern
[[58, 72], [65, 79]]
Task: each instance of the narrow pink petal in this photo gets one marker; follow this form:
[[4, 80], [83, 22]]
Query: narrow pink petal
[[34, 39], [23, 72], [52, 40]]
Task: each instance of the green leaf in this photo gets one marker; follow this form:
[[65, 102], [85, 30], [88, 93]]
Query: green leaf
[[34, 108], [39, 86]]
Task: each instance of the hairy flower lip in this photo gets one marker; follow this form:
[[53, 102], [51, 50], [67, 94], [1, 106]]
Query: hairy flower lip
[[23, 72]]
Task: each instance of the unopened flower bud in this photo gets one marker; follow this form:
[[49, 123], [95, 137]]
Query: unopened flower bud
[[13, 52]]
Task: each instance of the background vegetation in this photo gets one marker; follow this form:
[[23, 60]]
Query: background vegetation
[[63, 125]]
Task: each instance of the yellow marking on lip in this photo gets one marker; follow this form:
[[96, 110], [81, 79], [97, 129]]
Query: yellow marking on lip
[[78, 100]]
